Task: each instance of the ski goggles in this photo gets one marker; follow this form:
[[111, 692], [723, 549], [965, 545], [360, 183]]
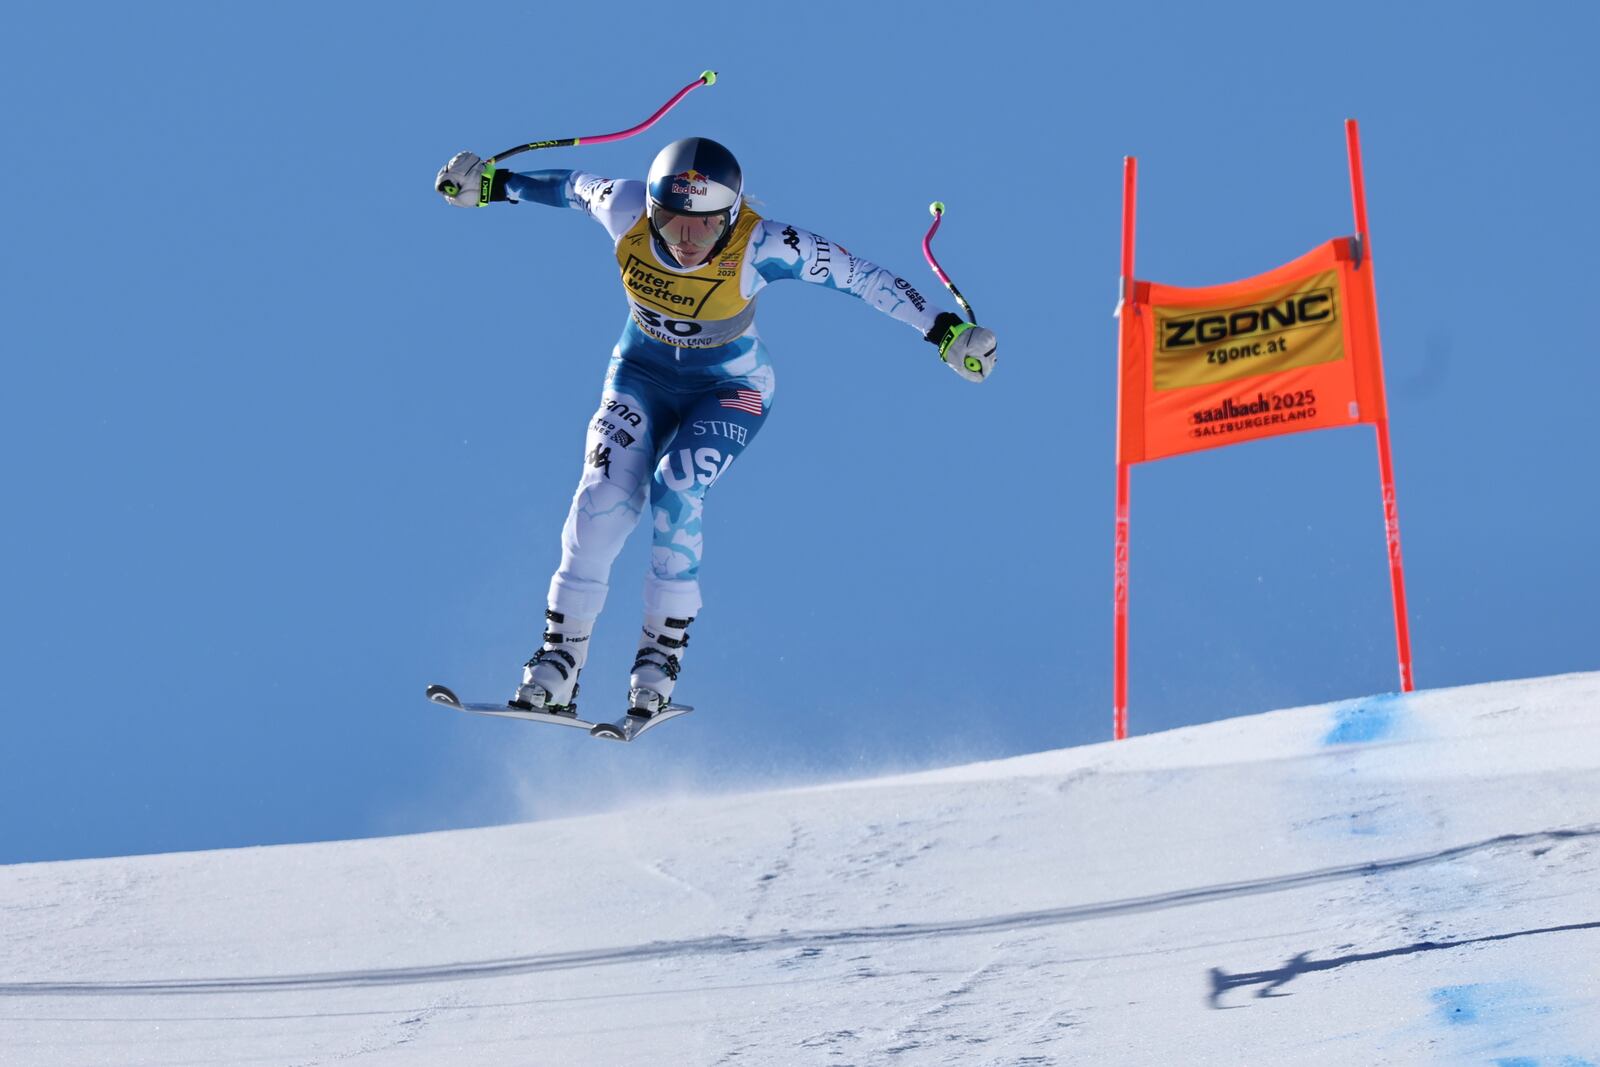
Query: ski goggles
[[683, 230]]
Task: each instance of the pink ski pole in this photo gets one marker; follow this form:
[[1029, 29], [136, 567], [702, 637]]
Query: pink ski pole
[[937, 210], [486, 183]]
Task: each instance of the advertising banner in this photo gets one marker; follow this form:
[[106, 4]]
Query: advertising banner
[[1289, 350]]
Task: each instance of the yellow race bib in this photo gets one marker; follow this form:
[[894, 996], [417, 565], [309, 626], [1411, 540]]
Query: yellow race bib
[[699, 308]]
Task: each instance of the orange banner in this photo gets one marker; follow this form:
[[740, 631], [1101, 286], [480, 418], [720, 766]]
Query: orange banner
[[1293, 349]]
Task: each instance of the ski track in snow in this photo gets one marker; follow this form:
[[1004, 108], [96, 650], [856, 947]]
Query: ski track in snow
[[779, 867], [807, 944], [1393, 880], [381, 1038]]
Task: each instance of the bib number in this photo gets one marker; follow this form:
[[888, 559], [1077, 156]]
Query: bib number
[[661, 324]]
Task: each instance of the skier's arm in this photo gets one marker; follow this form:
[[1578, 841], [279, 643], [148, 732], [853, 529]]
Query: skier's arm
[[780, 251], [552, 188], [614, 203]]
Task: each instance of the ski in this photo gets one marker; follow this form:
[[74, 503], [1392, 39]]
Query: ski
[[630, 727], [441, 695]]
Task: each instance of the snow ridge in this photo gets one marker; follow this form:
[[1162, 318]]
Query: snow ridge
[[1401, 879]]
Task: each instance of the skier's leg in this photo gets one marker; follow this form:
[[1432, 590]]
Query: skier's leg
[[619, 453], [711, 434], [618, 457]]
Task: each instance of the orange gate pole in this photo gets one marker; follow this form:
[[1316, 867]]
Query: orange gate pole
[[1119, 696], [1391, 508]]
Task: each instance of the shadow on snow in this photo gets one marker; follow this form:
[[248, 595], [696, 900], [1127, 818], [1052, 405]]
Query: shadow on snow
[[1302, 963], [727, 945]]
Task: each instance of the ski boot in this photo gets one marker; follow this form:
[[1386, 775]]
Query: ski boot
[[550, 678], [656, 665]]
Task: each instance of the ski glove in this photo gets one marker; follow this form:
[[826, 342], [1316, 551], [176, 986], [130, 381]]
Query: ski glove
[[968, 349], [458, 181]]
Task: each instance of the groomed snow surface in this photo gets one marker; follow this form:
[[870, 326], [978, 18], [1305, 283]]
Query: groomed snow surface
[[1392, 880]]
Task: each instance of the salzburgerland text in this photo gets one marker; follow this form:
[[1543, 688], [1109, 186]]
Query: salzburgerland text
[[1267, 409]]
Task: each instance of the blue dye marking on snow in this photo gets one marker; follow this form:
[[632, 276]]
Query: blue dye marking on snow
[[1362, 828], [1503, 1013], [1458, 1004], [1368, 720], [1494, 1002]]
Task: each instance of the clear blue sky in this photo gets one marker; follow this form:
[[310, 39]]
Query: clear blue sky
[[287, 438]]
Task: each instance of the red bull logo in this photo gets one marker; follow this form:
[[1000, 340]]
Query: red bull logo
[[691, 182]]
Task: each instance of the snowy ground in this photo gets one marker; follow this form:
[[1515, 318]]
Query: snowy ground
[[1394, 880]]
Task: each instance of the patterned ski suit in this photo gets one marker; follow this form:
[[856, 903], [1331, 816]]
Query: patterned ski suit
[[690, 382]]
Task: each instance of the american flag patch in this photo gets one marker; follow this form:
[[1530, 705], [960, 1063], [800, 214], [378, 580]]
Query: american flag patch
[[741, 400]]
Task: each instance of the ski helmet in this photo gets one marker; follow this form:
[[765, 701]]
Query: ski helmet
[[694, 189]]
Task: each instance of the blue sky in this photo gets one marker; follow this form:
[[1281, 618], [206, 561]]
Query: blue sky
[[288, 438]]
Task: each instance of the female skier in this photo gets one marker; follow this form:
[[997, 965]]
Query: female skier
[[689, 386]]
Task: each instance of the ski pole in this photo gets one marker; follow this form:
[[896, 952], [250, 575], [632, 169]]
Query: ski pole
[[936, 209], [486, 183]]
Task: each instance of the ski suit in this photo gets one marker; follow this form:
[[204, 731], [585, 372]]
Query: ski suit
[[689, 385]]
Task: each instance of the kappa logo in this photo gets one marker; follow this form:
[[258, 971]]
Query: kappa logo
[[600, 459], [592, 194]]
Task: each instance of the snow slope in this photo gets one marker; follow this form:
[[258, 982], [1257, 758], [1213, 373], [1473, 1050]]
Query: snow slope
[[1393, 880]]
